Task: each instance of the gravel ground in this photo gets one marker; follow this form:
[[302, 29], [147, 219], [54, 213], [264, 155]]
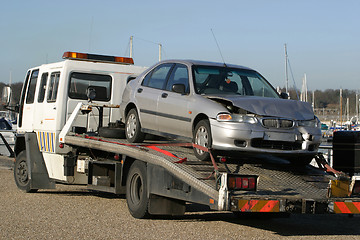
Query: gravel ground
[[72, 212]]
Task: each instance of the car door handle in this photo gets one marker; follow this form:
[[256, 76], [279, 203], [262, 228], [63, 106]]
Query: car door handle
[[164, 95], [139, 90]]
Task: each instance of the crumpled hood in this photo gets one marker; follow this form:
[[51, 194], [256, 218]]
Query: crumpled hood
[[271, 107]]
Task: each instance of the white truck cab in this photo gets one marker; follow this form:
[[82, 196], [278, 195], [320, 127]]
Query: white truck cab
[[52, 91]]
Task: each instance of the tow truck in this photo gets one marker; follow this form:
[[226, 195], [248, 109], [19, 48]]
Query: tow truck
[[62, 138]]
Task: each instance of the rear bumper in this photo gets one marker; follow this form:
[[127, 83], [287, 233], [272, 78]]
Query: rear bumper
[[300, 206]]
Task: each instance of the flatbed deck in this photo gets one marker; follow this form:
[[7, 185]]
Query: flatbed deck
[[278, 180]]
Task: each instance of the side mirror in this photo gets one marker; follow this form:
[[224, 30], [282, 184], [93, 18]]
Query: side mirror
[[284, 95], [6, 95], [178, 88]]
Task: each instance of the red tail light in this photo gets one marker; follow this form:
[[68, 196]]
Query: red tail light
[[239, 182]]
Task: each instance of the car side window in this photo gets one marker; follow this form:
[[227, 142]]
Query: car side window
[[178, 76], [157, 77]]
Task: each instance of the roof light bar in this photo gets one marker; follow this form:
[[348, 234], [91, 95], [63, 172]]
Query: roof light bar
[[97, 57]]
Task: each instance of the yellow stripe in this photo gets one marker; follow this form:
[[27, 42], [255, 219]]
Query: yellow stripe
[[38, 139], [50, 142], [46, 141]]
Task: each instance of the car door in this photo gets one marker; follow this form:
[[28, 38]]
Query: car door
[[173, 108], [148, 93]]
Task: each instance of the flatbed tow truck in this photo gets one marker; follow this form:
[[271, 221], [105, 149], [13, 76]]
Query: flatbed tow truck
[[159, 177]]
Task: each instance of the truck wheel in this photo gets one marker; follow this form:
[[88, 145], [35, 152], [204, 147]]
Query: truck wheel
[[21, 173], [202, 137], [136, 190], [133, 128], [111, 132]]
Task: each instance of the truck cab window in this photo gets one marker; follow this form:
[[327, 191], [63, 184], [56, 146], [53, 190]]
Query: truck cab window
[[42, 88], [22, 98], [53, 86], [81, 82], [32, 86]]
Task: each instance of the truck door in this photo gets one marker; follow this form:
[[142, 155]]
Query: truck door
[[45, 112], [26, 112]]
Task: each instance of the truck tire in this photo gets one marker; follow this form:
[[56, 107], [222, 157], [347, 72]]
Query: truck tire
[[21, 173], [136, 191], [202, 137], [110, 132], [133, 127]]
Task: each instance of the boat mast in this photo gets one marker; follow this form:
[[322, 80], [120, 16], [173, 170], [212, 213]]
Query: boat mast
[[340, 107], [131, 46], [286, 71], [357, 106], [160, 50]]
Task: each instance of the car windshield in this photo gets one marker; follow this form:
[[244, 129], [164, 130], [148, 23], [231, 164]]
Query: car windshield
[[209, 80]]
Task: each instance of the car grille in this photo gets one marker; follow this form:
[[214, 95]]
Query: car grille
[[280, 145], [277, 123]]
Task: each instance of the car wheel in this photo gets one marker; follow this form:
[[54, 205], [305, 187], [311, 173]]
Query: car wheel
[[21, 173], [136, 190], [202, 137], [133, 127]]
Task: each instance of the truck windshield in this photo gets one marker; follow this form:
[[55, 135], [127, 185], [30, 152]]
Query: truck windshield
[[210, 80]]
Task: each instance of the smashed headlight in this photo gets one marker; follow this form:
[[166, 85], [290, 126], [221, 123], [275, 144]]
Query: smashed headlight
[[226, 117], [315, 123]]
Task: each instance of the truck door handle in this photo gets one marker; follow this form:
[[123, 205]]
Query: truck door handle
[[164, 95], [139, 90]]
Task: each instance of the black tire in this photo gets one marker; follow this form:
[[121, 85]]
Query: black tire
[[109, 132], [136, 190], [21, 173], [202, 136], [133, 127]]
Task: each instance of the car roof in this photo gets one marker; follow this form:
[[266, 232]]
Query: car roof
[[205, 63]]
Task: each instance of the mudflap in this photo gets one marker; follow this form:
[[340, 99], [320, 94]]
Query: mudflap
[[38, 173], [159, 205]]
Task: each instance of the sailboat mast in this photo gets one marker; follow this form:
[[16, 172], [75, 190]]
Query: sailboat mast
[[160, 51], [131, 46], [286, 71], [340, 107]]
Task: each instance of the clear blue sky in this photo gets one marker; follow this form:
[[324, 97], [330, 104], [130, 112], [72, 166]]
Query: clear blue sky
[[323, 36]]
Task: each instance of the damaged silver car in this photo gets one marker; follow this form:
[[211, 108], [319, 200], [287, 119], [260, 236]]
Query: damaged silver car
[[231, 109]]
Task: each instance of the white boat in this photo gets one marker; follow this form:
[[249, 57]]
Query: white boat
[[7, 137]]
